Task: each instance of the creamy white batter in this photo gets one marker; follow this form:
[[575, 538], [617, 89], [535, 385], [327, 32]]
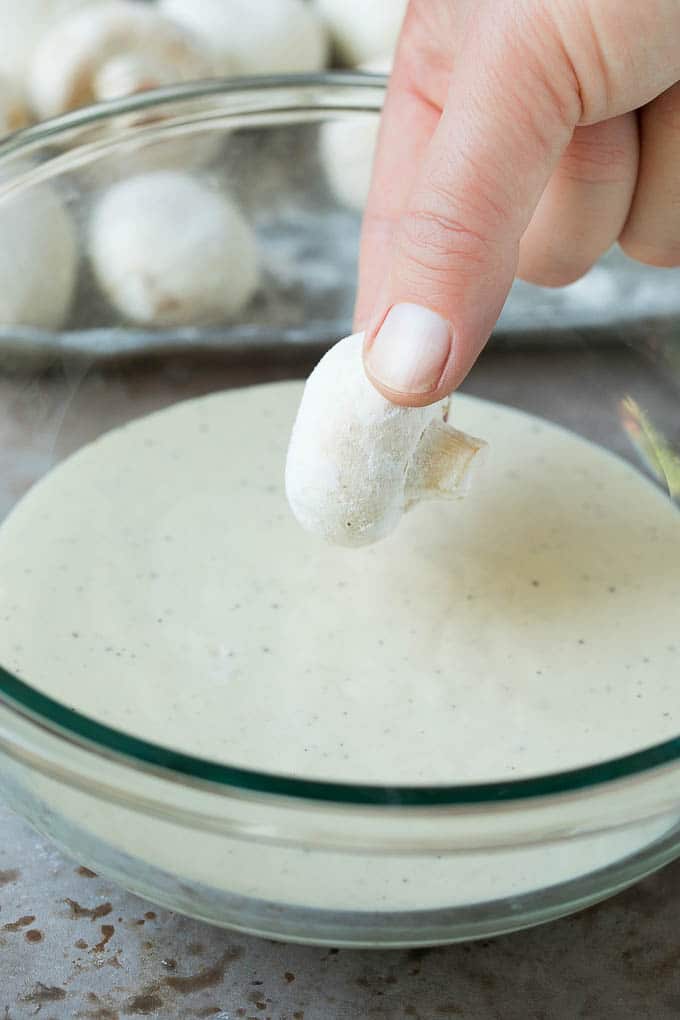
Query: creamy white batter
[[158, 582]]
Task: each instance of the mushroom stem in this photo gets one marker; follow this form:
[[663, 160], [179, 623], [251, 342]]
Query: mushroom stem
[[442, 464]]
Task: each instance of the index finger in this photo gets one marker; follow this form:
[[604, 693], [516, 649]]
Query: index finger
[[408, 122]]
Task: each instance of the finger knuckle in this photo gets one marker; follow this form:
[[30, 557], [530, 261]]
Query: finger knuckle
[[584, 43], [438, 240]]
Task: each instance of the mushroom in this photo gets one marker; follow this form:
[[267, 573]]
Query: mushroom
[[348, 146], [356, 462], [168, 250], [110, 50], [13, 109], [38, 258], [261, 37], [362, 29]]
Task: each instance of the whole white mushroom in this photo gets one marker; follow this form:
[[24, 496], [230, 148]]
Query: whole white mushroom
[[38, 258], [356, 462], [110, 50], [362, 30], [255, 36], [168, 250]]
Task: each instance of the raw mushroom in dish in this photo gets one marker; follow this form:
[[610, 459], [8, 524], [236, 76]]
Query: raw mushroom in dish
[[169, 250], [109, 49]]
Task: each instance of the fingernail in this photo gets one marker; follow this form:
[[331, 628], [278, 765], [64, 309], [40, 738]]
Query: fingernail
[[410, 350]]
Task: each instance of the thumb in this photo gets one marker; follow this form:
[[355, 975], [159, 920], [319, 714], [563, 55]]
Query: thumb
[[512, 107]]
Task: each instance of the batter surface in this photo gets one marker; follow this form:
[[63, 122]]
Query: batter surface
[[158, 581]]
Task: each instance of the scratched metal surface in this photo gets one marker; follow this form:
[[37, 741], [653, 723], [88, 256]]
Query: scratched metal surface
[[76, 946]]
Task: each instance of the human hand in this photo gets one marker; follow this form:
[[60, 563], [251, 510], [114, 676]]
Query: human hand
[[519, 137]]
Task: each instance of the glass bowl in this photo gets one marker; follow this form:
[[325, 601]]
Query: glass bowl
[[279, 852]]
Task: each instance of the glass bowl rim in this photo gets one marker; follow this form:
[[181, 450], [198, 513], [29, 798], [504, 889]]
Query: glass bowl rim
[[265, 85], [72, 727]]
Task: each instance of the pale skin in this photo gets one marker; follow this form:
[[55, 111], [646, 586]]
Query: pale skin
[[519, 137]]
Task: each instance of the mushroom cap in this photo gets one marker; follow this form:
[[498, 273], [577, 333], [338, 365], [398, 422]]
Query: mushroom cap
[[256, 36], [168, 250], [350, 450], [69, 58]]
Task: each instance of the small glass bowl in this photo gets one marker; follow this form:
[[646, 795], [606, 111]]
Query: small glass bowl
[[278, 855]]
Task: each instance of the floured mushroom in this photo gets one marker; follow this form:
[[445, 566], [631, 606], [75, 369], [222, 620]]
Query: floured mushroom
[[356, 462]]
